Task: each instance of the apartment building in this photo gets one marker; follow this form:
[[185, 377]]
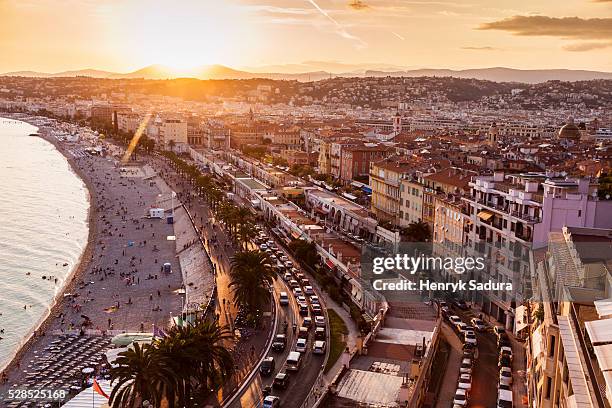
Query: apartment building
[[173, 132], [411, 202], [449, 181], [355, 161], [324, 157], [385, 179], [509, 216], [571, 330], [287, 136], [335, 154], [216, 135], [128, 122]]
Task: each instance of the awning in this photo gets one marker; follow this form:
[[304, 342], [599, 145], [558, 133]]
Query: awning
[[604, 307], [520, 318], [296, 235], [485, 215], [329, 264], [600, 331]]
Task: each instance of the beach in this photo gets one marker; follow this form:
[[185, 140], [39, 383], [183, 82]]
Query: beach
[[119, 285]]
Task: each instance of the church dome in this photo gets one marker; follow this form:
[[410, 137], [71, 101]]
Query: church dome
[[569, 130]]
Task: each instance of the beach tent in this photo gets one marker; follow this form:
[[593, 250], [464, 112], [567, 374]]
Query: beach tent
[[88, 398], [125, 339]]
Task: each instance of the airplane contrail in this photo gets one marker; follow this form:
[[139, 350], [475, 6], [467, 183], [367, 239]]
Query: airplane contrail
[[341, 30]]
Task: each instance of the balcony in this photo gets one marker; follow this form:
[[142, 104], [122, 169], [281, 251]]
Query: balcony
[[526, 217]]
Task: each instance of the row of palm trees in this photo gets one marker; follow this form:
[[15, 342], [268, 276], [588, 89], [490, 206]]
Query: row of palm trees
[[178, 370]]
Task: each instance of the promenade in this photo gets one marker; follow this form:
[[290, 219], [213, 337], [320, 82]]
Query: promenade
[[120, 285]]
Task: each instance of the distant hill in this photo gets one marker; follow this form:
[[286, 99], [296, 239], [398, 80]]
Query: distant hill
[[497, 74]]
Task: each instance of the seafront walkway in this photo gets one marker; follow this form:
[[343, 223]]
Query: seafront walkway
[[121, 285], [221, 250]]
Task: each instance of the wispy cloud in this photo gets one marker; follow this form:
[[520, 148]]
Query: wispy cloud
[[485, 48], [339, 27], [587, 46], [358, 5], [398, 35], [565, 27]]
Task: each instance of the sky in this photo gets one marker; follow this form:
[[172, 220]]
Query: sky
[[299, 35]]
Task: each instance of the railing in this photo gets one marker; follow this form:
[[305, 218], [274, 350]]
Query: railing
[[581, 340]]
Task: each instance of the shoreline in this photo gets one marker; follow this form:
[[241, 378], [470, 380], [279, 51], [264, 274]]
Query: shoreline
[[80, 266]]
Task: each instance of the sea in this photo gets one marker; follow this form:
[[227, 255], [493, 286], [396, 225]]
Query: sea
[[43, 230]]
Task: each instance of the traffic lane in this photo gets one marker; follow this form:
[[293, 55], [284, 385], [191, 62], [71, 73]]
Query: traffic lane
[[485, 375], [253, 394]]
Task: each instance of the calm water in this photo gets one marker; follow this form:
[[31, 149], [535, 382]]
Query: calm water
[[43, 225]]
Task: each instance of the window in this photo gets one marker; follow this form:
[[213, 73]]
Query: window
[[551, 346], [548, 387], [579, 213]]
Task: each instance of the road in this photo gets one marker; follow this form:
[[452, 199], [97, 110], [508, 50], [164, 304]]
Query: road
[[300, 382]]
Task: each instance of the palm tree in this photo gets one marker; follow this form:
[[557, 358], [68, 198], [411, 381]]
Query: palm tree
[[418, 232], [140, 374], [251, 277], [196, 352]]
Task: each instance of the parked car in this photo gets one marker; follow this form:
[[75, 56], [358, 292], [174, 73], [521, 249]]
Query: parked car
[[320, 333], [267, 366], [279, 343], [308, 290], [301, 299], [294, 284], [314, 300], [461, 327], [466, 366], [301, 345], [316, 309], [297, 292], [461, 397], [479, 324], [283, 298], [465, 382], [307, 322], [506, 351], [460, 304], [281, 381], [271, 401], [318, 347], [505, 376], [319, 321], [303, 332], [303, 309], [499, 330], [287, 277]]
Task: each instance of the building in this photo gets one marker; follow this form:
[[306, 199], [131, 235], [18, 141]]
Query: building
[[295, 157], [385, 179], [102, 115], [411, 202], [324, 157], [128, 122], [570, 327], [216, 135], [355, 160], [509, 216], [173, 134]]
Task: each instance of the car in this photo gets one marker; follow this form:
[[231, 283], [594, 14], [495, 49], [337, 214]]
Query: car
[[320, 333], [270, 242], [287, 277], [280, 254], [504, 361], [271, 401], [320, 321], [283, 298], [273, 257], [505, 376], [466, 366], [461, 397], [274, 248], [316, 310], [267, 366], [470, 337], [303, 332], [454, 319], [445, 311], [299, 275], [263, 247], [314, 300], [279, 343], [301, 299], [284, 258], [503, 341], [504, 398], [479, 324], [442, 303], [307, 322], [499, 330], [281, 380], [308, 290], [289, 264], [460, 304], [465, 382], [294, 284], [303, 309], [469, 347], [506, 351], [461, 327], [297, 292], [305, 282], [318, 347], [504, 387], [301, 345]]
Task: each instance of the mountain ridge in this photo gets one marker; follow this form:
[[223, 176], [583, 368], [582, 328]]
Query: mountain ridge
[[496, 74]]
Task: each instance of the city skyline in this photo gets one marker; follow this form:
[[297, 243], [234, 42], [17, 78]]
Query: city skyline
[[297, 36]]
